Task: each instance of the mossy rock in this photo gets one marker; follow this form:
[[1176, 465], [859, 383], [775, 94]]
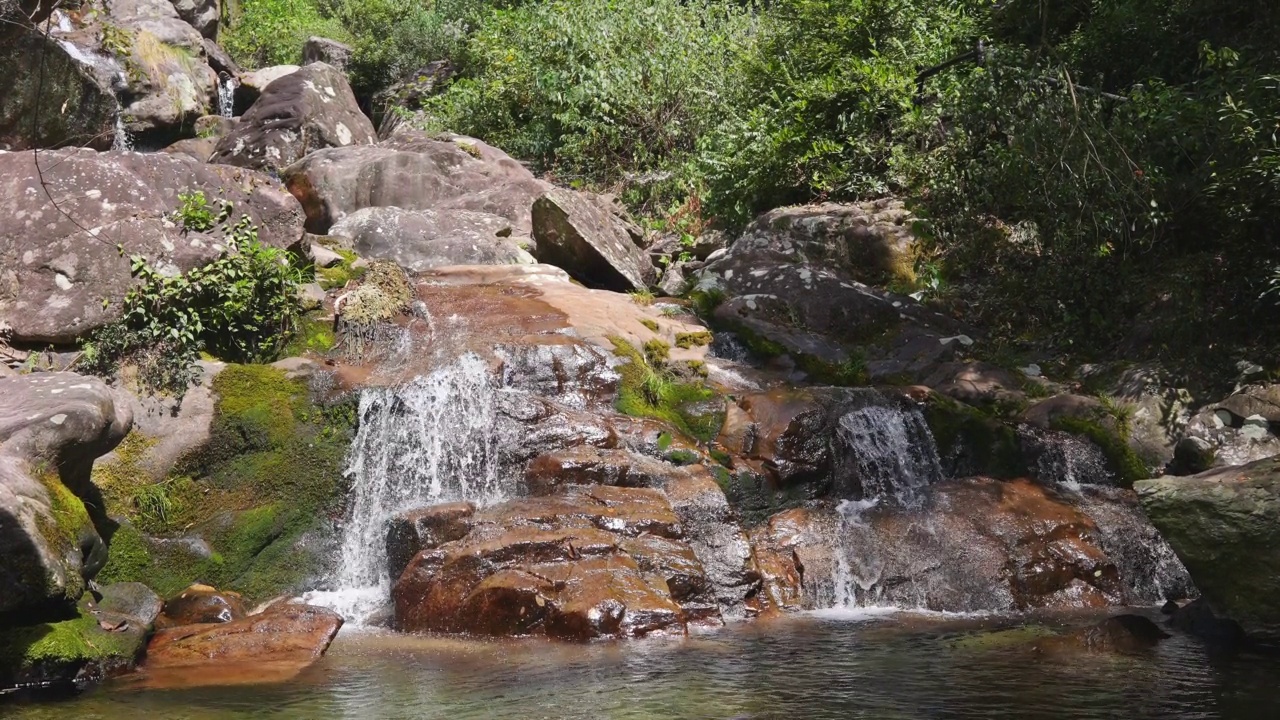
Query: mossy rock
[[339, 275], [755, 497], [972, 442], [315, 335], [655, 392], [1127, 466], [77, 648], [270, 477]]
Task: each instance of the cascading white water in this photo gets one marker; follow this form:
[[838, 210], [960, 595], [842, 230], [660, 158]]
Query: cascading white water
[[227, 95], [122, 139], [431, 441], [893, 453], [893, 457]]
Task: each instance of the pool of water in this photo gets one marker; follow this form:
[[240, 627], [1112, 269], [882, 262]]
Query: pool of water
[[816, 666]]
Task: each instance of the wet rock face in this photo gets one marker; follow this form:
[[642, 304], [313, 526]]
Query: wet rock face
[[414, 171], [52, 427], [578, 233], [201, 604], [1223, 525], [54, 275], [296, 115], [975, 544], [585, 562], [29, 120], [412, 532], [283, 633], [425, 239]]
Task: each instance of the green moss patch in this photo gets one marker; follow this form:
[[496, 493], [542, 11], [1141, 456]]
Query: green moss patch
[[689, 340], [53, 646], [339, 275], [971, 442], [270, 474], [1125, 463], [315, 335], [648, 389]]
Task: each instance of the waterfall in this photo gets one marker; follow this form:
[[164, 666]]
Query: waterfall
[[1065, 459], [227, 85], [431, 441], [122, 140], [890, 452]]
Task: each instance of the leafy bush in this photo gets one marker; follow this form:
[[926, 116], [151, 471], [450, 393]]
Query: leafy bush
[[602, 92], [258, 33], [241, 307]]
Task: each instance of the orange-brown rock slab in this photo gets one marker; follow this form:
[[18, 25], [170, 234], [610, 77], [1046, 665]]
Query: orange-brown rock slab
[[285, 633], [201, 604]]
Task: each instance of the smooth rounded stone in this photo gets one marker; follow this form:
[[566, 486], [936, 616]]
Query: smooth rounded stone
[[202, 15], [1225, 526], [57, 276], [414, 171], [575, 232], [254, 82], [412, 532], [331, 52], [286, 633], [201, 604], [976, 383], [419, 240], [311, 296], [1198, 619], [132, 599], [195, 148], [50, 545], [297, 114]]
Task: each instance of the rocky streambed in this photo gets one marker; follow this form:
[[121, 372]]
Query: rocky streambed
[[511, 412]]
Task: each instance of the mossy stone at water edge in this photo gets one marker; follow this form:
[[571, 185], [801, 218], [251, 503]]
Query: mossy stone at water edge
[[67, 649], [971, 442], [251, 509], [1125, 463], [649, 389]]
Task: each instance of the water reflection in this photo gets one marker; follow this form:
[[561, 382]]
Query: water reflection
[[807, 667]]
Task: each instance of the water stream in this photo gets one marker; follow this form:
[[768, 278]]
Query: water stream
[[428, 442], [227, 85]]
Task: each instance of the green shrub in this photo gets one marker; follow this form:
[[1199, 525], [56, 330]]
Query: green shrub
[[272, 32]]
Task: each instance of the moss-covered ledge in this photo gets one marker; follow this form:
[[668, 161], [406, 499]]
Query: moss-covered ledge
[[250, 510]]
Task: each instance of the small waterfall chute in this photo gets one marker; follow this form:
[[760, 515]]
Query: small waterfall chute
[[227, 84], [431, 441]]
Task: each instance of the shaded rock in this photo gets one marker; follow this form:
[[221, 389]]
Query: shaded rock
[[52, 427], [674, 281], [297, 114], [1198, 619], [200, 14], [55, 276], [221, 62], [420, 240], [283, 633], [28, 120], [574, 232], [324, 50], [133, 600], [1223, 525], [1046, 413], [412, 532], [414, 171], [407, 95], [976, 383], [1191, 456], [201, 604]]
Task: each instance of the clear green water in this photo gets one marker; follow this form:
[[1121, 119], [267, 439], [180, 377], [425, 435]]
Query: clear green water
[[795, 668]]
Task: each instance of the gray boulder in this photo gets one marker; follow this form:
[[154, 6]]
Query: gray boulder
[[414, 171], [200, 14], [58, 264], [297, 114], [418, 240], [1225, 526], [251, 84], [52, 427], [324, 50], [575, 232]]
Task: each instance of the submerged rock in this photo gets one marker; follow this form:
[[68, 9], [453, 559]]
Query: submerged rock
[[1125, 634], [1225, 526]]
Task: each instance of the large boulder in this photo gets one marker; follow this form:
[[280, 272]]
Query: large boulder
[[414, 171], [1225, 525], [200, 14], [587, 562], [58, 263], [52, 427], [971, 545], [249, 85], [796, 296], [297, 114], [330, 52], [576, 232], [74, 107], [418, 240]]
